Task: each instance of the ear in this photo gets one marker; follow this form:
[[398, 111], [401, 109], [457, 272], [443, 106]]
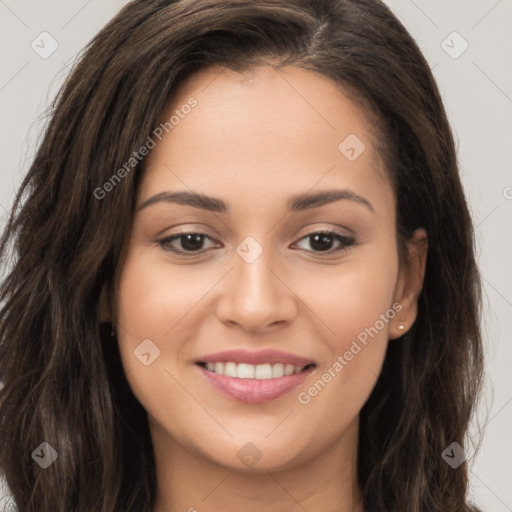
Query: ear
[[410, 283]]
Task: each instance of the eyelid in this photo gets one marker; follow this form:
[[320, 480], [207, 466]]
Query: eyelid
[[335, 230]]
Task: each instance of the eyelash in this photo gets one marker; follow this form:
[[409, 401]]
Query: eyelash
[[345, 241]]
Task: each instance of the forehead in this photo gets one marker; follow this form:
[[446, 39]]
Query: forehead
[[292, 105], [263, 131]]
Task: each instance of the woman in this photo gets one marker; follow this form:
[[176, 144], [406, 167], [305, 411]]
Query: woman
[[243, 273]]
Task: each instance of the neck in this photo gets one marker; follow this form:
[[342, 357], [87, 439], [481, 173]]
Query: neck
[[188, 481]]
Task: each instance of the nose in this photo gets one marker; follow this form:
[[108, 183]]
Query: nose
[[255, 296]]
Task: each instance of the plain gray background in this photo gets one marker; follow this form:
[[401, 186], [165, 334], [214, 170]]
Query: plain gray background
[[476, 85]]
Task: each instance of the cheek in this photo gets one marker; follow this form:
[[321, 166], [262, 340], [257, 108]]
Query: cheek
[[353, 297], [356, 304], [158, 301], [154, 296], [151, 304]]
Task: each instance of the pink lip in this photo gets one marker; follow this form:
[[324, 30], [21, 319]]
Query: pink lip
[[254, 391], [269, 356]]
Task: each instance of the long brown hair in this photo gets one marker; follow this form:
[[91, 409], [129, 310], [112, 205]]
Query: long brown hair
[[61, 371]]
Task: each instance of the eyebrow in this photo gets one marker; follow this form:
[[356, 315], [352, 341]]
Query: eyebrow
[[296, 203]]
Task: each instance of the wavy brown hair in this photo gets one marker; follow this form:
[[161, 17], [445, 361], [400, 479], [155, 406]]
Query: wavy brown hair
[[61, 371]]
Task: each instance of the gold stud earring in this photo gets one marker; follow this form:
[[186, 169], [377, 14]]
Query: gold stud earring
[[401, 327]]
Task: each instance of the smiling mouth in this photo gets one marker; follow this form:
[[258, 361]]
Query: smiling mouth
[[254, 384], [251, 371]]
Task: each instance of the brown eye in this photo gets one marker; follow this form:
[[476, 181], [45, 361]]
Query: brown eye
[[323, 241], [190, 243]]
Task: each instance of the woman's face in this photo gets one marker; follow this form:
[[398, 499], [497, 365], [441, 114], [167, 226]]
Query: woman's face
[[255, 341]]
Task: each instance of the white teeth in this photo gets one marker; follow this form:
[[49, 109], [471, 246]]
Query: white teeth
[[263, 371], [245, 371], [230, 370], [251, 371], [277, 370]]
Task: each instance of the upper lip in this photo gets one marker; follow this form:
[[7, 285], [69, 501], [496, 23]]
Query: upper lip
[[269, 356]]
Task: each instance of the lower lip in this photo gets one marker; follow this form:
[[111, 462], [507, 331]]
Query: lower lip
[[255, 391]]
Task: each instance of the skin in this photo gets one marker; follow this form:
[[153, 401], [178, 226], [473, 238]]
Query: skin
[[253, 140]]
